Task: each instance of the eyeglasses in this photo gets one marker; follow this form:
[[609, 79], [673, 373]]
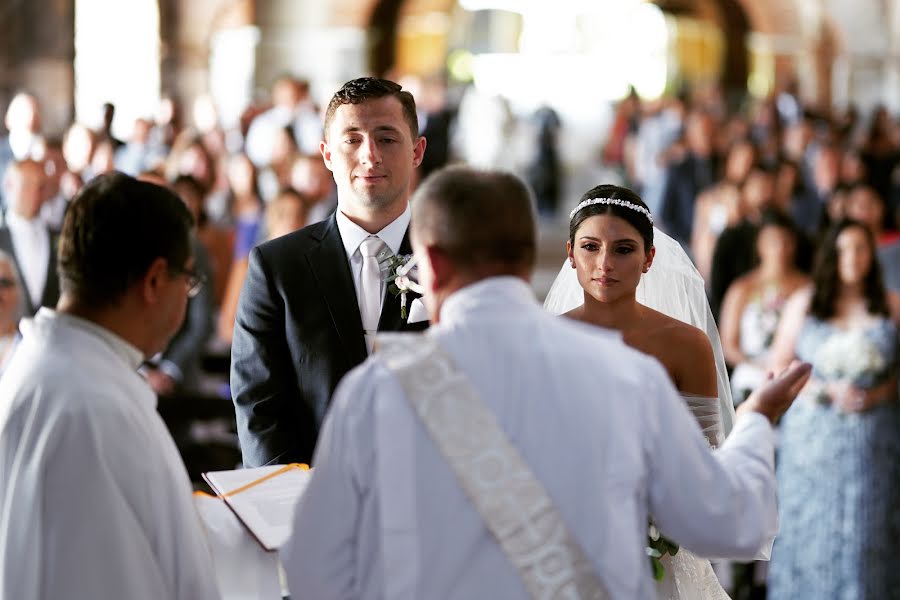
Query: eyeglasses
[[195, 280]]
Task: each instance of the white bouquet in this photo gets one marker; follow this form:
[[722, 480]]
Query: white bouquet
[[852, 357]]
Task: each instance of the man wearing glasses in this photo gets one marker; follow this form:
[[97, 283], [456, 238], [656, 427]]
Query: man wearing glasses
[[176, 370], [95, 501]]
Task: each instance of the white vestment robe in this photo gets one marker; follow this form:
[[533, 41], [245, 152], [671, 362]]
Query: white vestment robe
[[95, 501], [600, 425]]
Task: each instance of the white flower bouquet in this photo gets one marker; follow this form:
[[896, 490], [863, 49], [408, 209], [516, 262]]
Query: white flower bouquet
[[851, 357]]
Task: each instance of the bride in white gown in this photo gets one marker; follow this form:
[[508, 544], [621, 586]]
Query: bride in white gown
[[623, 273]]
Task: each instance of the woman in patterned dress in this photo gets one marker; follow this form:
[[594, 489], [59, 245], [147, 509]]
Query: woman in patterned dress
[[839, 452]]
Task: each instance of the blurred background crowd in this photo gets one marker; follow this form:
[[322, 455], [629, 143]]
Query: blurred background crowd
[[753, 131]]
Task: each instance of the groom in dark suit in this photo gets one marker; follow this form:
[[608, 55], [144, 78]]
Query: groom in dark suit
[[312, 300]]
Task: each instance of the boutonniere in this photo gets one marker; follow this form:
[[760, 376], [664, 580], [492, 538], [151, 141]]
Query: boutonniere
[[398, 269]]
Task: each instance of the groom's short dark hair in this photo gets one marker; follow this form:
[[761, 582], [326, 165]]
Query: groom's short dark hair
[[357, 91], [478, 218]]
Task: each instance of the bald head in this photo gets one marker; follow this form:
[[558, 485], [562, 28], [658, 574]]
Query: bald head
[[23, 113], [483, 221]]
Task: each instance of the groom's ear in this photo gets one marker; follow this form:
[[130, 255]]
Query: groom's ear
[[325, 151]]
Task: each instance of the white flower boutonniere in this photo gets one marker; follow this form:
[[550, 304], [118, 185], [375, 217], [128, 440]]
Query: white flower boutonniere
[[399, 275]]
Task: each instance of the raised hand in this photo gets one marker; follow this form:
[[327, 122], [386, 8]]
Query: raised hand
[[776, 395]]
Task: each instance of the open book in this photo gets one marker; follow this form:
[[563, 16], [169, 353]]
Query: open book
[[263, 498]]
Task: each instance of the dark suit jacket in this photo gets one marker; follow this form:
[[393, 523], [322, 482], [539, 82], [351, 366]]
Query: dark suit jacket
[[684, 182], [6, 158], [297, 332], [51, 287]]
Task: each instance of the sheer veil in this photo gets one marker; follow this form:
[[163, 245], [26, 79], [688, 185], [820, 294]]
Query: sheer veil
[[674, 287]]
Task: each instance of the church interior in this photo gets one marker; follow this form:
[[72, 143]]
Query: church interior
[[565, 94]]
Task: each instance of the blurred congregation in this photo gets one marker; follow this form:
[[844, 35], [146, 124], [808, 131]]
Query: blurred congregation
[[757, 156]]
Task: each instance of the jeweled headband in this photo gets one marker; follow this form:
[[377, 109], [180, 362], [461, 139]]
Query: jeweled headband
[[616, 201]]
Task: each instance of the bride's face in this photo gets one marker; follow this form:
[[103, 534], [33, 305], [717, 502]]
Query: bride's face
[[609, 257]]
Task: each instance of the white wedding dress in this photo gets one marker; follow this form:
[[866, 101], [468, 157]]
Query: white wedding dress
[[673, 286]]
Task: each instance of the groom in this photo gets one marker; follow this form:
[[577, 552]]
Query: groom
[[313, 299], [387, 513]]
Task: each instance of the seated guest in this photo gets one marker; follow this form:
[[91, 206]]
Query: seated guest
[[216, 240], [311, 177], [94, 500], [11, 308], [177, 368], [286, 213], [26, 237]]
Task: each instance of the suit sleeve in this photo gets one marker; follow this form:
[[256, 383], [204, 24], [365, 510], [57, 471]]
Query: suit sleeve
[[262, 377]]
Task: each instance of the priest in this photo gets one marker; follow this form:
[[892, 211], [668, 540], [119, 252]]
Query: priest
[[508, 452], [95, 501]]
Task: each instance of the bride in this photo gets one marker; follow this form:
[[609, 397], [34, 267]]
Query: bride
[[624, 274]]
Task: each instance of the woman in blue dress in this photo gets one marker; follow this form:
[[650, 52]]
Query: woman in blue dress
[[838, 464]]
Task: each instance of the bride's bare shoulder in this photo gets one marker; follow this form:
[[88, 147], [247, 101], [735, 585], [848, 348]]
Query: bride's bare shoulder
[[673, 333], [576, 314]]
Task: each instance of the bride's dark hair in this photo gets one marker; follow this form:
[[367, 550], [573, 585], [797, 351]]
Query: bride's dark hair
[[636, 218]]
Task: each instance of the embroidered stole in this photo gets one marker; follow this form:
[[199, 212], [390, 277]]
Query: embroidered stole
[[513, 503]]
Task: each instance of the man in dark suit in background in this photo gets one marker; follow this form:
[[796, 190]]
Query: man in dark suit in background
[[26, 237], [312, 300], [688, 177]]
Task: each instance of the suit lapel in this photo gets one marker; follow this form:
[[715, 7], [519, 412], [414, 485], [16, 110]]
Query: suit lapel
[[390, 319], [329, 265]]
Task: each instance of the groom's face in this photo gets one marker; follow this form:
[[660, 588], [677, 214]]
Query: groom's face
[[372, 154]]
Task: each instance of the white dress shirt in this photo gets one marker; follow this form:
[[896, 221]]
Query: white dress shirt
[[31, 241], [599, 424], [95, 501], [353, 235]]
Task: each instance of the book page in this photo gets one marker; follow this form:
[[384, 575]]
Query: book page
[[263, 498]]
